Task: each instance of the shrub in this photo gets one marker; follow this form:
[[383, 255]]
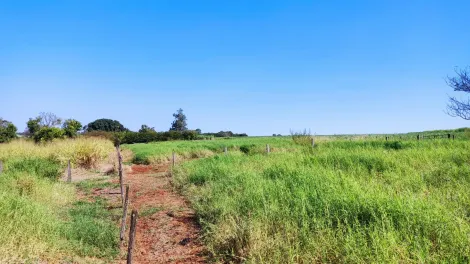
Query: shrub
[[396, 145], [247, 149], [7, 131], [71, 127], [189, 135], [302, 138], [47, 134]]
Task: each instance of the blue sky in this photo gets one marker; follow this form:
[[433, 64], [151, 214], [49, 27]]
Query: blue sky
[[259, 67]]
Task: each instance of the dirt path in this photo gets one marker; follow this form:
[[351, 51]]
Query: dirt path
[[166, 229]]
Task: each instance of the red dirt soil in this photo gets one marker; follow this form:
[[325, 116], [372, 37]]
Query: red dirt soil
[[166, 228]]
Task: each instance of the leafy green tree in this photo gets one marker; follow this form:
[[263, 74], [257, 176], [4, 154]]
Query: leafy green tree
[[146, 129], [47, 134], [7, 131], [198, 131], [71, 127], [33, 125], [179, 124], [105, 125]]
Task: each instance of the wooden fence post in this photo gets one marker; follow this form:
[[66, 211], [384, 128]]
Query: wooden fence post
[[453, 136], [448, 136], [69, 172], [131, 236], [268, 149], [417, 136], [313, 142], [225, 150], [174, 159], [124, 214], [1, 167], [121, 180]]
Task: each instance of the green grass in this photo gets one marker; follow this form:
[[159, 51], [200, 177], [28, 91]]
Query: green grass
[[41, 220], [344, 201], [158, 152], [89, 185]]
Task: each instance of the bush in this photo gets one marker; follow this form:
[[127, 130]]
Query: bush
[[151, 136], [247, 149], [71, 127], [7, 131], [47, 134], [302, 138], [396, 145], [189, 135]]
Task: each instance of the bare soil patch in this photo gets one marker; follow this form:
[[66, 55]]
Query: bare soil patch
[[167, 231]]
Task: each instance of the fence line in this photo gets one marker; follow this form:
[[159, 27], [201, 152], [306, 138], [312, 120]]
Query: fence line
[[132, 231]]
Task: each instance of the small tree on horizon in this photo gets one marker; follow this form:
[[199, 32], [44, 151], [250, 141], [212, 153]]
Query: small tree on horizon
[[460, 83], [146, 129], [179, 124]]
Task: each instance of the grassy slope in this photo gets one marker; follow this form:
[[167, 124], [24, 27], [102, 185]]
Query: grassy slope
[[40, 217], [347, 201]]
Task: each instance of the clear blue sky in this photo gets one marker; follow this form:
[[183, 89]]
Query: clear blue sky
[[259, 67]]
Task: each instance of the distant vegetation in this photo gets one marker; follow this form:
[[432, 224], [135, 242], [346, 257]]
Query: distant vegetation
[[7, 131], [104, 124]]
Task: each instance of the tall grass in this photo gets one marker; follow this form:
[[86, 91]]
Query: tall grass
[[344, 201], [82, 152], [160, 152], [40, 217]]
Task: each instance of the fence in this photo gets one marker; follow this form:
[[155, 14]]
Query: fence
[[125, 203]]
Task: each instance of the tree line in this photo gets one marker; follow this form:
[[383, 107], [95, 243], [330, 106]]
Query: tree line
[[47, 127]]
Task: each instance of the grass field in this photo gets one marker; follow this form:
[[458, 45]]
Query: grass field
[[159, 152], [350, 199], [41, 219], [344, 201]]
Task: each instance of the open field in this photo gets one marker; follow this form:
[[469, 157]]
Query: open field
[[348, 199], [344, 201], [159, 152]]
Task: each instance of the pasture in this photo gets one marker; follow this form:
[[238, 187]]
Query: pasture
[[349, 201], [353, 199]]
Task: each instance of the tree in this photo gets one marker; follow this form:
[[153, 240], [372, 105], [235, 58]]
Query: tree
[[198, 131], [146, 129], [49, 119], [47, 134], [33, 125], [460, 83], [179, 124], [7, 131], [105, 125], [45, 119], [71, 127]]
